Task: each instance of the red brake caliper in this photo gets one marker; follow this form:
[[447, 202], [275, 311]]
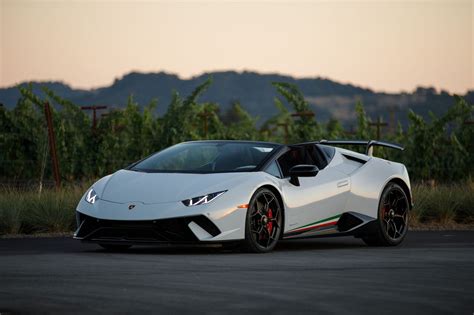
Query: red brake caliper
[[270, 223], [386, 209]]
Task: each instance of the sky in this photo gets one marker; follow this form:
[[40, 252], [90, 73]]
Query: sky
[[384, 45]]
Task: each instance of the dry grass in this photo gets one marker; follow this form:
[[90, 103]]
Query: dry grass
[[28, 212], [442, 207], [448, 205]]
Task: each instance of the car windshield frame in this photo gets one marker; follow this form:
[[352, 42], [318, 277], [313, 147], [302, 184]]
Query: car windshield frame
[[273, 146]]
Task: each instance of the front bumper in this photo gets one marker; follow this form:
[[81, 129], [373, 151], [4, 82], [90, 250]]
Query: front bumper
[[173, 230]]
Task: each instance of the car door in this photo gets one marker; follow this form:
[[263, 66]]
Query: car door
[[318, 202]]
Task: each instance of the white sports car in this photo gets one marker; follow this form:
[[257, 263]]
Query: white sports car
[[253, 193]]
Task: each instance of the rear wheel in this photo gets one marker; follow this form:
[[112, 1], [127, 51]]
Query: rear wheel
[[264, 222], [391, 226], [115, 247]]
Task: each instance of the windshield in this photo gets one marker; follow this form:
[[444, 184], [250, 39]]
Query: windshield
[[207, 157]]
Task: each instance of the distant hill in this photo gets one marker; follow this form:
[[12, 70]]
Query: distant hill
[[255, 93]]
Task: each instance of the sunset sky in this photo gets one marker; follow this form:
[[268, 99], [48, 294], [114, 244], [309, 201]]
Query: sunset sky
[[384, 45]]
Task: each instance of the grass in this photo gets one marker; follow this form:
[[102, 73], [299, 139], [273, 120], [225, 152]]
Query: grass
[[443, 205], [28, 212], [53, 212]]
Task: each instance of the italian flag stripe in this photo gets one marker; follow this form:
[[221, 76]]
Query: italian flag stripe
[[318, 224]]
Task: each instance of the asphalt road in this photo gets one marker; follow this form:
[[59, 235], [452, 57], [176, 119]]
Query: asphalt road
[[432, 272]]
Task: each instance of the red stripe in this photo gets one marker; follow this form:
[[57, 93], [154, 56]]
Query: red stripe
[[315, 227]]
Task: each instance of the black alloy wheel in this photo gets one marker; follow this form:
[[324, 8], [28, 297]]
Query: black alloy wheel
[[264, 222], [392, 223]]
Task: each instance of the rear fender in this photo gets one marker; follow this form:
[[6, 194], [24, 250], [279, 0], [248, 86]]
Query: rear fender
[[368, 183]]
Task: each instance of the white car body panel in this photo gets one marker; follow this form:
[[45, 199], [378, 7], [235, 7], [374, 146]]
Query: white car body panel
[[343, 186], [327, 192]]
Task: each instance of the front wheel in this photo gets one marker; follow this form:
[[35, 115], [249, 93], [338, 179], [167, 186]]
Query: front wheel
[[264, 222], [391, 226]]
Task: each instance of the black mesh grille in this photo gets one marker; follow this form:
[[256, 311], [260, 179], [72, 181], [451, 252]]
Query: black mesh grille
[[166, 230]]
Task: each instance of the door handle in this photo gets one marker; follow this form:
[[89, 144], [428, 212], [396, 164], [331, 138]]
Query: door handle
[[342, 183]]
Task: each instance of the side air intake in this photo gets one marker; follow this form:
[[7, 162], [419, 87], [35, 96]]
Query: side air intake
[[347, 221]]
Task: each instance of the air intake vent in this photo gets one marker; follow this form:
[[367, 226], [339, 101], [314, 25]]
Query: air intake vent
[[355, 159], [165, 230], [348, 222]]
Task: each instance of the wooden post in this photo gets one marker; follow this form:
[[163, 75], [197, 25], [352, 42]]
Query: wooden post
[[379, 124], [205, 115], [94, 109], [393, 123], [350, 132], [303, 114], [285, 130], [52, 144]]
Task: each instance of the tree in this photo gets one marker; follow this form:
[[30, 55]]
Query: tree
[[240, 125], [440, 148], [305, 128], [180, 121]]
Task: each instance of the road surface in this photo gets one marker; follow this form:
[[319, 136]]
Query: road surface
[[432, 272]]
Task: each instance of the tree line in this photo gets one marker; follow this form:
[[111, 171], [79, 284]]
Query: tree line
[[439, 148]]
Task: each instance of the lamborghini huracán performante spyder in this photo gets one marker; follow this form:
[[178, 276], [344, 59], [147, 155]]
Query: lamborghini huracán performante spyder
[[252, 193]]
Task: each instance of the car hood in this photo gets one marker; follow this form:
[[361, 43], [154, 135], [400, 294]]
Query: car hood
[[130, 186]]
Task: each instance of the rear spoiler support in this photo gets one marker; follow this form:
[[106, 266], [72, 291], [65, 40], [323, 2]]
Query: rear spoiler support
[[369, 145]]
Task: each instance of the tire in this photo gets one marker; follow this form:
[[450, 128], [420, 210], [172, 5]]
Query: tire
[[115, 247], [391, 225], [264, 222]]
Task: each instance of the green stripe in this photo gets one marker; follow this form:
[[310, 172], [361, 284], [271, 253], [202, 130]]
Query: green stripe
[[320, 221]]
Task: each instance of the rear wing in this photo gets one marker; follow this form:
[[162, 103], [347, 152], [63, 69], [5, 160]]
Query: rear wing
[[369, 145]]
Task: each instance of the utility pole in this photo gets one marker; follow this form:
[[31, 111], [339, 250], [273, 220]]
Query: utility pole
[[379, 124], [52, 144], [94, 109]]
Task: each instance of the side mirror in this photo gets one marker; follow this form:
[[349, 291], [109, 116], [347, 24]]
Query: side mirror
[[302, 170]]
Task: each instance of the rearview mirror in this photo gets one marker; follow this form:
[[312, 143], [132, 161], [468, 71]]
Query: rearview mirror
[[302, 170]]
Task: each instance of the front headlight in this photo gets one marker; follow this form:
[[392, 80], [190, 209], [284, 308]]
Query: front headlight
[[202, 199], [91, 196]]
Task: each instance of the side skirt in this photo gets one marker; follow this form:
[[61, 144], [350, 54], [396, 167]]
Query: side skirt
[[345, 224]]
